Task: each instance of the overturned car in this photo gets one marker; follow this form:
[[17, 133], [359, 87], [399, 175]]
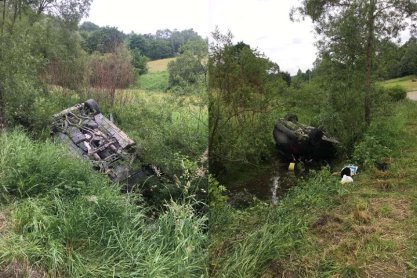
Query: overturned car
[[296, 141], [94, 137]]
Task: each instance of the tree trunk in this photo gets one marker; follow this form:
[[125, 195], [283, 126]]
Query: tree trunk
[[2, 117], [369, 60], [4, 16]]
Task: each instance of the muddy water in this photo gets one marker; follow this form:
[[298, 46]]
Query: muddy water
[[267, 183]]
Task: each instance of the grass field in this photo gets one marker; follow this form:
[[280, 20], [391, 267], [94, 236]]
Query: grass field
[[159, 65], [156, 80], [409, 83]]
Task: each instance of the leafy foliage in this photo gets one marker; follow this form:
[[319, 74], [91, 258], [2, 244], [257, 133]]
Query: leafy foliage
[[139, 62], [162, 44], [395, 60], [18, 86], [186, 72], [243, 103], [104, 40], [349, 32]]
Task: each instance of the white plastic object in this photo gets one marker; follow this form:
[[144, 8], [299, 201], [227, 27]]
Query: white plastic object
[[346, 179]]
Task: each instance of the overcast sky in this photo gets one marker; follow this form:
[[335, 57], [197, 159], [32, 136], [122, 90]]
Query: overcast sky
[[263, 24]]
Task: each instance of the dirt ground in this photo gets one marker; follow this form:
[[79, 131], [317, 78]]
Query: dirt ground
[[412, 95]]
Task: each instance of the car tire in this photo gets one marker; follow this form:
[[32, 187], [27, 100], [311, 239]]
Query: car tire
[[315, 136], [92, 105]]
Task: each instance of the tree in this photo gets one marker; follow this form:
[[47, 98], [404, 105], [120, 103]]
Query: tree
[[26, 48], [409, 59], [242, 91], [185, 72], [188, 72], [139, 43], [105, 40], [164, 43], [139, 61], [18, 83], [88, 26], [357, 25], [388, 59]]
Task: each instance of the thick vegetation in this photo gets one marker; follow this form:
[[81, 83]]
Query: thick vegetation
[[366, 225], [59, 218], [319, 228]]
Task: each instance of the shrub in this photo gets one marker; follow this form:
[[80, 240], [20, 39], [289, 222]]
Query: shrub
[[111, 71], [396, 93], [379, 141]]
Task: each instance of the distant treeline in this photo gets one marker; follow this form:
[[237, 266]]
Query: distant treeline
[[394, 60], [163, 44]]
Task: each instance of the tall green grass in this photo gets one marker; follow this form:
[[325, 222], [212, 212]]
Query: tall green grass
[[243, 243], [69, 221], [153, 81], [164, 126]]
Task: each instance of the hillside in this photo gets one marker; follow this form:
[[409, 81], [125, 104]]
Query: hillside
[[156, 80], [409, 83], [159, 65]]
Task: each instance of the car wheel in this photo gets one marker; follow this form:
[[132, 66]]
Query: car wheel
[[92, 105]]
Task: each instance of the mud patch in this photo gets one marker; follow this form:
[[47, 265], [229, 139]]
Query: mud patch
[[276, 270], [323, 220], [412, 96], [17, 270], [3, 221]]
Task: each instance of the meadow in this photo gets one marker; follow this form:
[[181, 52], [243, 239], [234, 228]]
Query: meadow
[[408, 83]]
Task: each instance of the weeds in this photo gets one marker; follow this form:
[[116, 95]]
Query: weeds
[[69, 221], [245, 244]]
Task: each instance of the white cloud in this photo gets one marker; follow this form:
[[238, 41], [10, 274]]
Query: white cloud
[[263, 24], [148, 16]]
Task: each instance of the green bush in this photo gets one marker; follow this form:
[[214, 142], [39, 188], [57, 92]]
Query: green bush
[[379, 141], [396, 93]]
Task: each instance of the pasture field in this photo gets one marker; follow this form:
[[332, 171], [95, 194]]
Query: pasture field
[[159, 65], [409, 83]]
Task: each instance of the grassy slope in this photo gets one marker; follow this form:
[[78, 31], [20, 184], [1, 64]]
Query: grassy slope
[[60, 218], [156, 80], [406, 82], [372, 233], [162, 123]]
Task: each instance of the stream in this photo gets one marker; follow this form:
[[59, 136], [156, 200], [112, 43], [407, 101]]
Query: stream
[[267, 182]]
